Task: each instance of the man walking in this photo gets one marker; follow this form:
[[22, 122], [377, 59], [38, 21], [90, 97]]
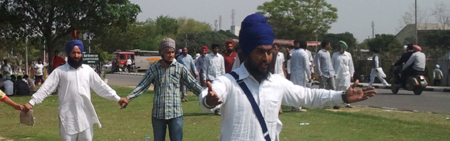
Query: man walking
[[214, 67], [74, 82], [377, 71], [166, 75], [325, 67], [251, 96], [199, 63], [189, 63]]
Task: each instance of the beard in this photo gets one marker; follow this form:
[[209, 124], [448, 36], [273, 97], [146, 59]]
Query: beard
[[73, 63], [254, 70]]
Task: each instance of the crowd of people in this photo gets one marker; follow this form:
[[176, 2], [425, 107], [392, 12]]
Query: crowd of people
[[245, 86]]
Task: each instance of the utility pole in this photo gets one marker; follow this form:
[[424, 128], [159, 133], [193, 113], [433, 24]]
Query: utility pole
[[373, 29], [415, 19], [26, 55]]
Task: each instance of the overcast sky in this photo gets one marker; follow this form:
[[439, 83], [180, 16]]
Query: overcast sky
[[354, 16]]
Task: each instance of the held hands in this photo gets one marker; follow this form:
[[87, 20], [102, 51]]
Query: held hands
[[123, 102], [18, 107], [212, 99], [27, 107], [355, 94]]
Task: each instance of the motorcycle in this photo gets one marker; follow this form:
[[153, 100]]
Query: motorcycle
[[416, 83], [133, 68]]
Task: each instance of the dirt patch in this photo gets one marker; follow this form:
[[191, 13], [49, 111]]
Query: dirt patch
[[4, 139]]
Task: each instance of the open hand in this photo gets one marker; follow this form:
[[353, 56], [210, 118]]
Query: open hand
[[212, 99], [355, 94], [123, 102]]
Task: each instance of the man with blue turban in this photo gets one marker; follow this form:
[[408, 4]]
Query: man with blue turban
[[251, 96], [74, 82]]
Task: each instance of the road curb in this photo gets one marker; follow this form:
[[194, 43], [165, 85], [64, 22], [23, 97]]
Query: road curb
[[125, 73], [389, 87]]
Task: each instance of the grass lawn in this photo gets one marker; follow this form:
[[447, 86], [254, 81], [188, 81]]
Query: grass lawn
[[134, 122]]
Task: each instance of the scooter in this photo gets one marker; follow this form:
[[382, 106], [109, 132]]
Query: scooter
[[416, 83]]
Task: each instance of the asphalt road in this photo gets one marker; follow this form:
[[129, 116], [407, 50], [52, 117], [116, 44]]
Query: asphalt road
[[437, 102]]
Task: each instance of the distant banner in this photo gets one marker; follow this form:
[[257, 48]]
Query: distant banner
[[91, 58]]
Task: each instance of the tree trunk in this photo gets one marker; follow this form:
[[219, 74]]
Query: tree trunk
[[51, 52]]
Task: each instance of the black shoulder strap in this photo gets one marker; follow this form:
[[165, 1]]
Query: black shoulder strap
[[254, 105]]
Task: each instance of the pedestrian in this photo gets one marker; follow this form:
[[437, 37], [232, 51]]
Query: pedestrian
[[39, 72], [311, 66], [199, 63], [214, 67], [343, 64], [74, 82], [30, 83], [300, 70], [279, 62], [229, 56], [377, 71], [166, 75], [128, 64], [325, 67], [437, 75], [188, 62], [58, 60], [251, 96], [9, 86]]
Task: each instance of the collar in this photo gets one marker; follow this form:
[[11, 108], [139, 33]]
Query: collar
[[243, 73], [70, 67], [171, 64]]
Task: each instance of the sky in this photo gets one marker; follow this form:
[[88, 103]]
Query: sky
[[354, 16]]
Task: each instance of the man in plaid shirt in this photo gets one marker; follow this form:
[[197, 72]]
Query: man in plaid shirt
[[166, 76]]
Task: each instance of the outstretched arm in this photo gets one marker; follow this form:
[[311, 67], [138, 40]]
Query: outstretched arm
[[46, 89], [141, 87]]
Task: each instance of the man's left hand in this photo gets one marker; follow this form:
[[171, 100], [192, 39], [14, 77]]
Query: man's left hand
[[355, 94]]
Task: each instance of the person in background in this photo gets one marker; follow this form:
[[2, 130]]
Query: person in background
[[199, 63], [6, 69], [30, 82], [9, 86], [129, 62], [279, 62], [188, 62], [415, 64], [325, 67], [58, 60], [343, 64], [39, 72], [21, 87], [437, 75], [229, 56], [214, 67], [300, 70], [377, 71]]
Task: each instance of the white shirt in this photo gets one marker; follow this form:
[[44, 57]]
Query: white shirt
[[129, 62], [9, 87], [300, 70], [236, 63], [200, 62], [39, 69], [279, 64], [76, 111], [6, 69], [343, 65], [214, 66], [288, 66], [238, 119]]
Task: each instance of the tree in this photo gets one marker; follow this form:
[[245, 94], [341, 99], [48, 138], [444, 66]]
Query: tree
[[438, 43], [191, 26], [442, 14], [55, 20], [334, 39], [387, 45], [195, 41], [299, 19]]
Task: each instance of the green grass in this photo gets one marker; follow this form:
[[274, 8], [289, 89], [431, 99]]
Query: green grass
[[134, 122]]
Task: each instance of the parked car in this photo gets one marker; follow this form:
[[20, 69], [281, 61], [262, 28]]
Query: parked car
[[107, 67]]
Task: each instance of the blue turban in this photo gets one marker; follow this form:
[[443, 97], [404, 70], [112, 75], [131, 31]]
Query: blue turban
[[70, 45], [255, 31]]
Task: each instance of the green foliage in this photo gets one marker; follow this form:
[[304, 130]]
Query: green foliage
[[56, 20], [387, 45], [191, 26], [299, 19], [195, 41], [335, 38]]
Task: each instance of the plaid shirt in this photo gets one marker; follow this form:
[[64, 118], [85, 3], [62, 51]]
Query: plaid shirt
[[167, 100]]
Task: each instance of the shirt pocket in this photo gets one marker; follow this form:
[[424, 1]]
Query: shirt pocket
[[175, 82], [272, 111]]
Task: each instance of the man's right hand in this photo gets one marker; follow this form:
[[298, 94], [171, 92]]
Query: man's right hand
[[212, 99], [27, 107]]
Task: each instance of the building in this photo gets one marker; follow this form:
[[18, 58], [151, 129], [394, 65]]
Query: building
[[406, 35]]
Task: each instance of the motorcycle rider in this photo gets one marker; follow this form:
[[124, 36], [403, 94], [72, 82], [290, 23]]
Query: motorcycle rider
[[408, 51], [415, 64]]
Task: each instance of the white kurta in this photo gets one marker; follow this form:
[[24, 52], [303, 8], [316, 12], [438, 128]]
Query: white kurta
[[76, 111], [279, 64], [238, 119], [300, 67], [343, 65], [214, 66]]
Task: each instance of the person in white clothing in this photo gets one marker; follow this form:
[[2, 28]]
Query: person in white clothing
[[266, 92], [129, 63], [311, 67], [343, 65], [300, 70], [214, 67], [74, 82], [377, 71], [9, 86], [39, 72], [279, 63], [6, 69]]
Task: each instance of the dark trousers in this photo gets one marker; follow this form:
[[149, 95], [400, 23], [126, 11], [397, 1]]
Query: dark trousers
[[175, 128], [409, 71], [437, 82], [397, 71]]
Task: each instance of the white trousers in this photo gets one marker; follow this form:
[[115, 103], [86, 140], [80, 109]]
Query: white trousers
[[85, 135], [374, 74]]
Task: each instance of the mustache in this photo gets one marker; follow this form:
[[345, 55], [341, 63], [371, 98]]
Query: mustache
[[73, 63]]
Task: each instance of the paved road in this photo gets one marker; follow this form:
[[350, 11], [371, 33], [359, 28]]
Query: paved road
[[438, 102]]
